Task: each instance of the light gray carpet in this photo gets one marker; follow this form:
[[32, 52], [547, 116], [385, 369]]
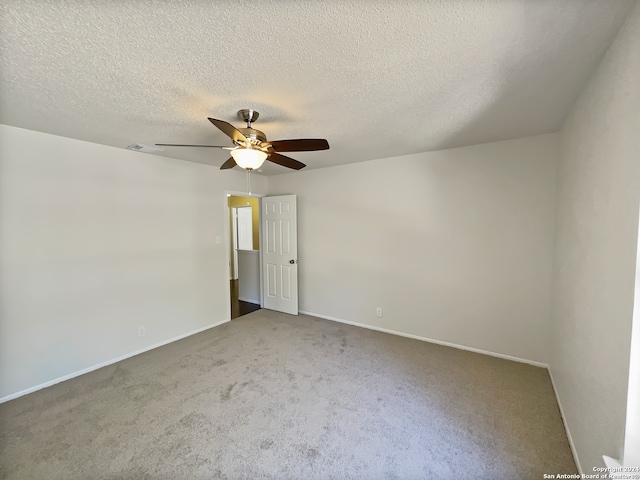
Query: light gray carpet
[[271, 396]]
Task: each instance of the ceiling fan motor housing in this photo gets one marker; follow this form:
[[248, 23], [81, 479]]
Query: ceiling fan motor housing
[[256, 136]]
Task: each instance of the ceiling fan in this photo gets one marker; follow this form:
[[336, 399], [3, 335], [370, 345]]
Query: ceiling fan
[[251, 148]]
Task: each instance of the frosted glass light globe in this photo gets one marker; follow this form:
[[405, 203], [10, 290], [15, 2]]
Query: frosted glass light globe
[[249, 158]]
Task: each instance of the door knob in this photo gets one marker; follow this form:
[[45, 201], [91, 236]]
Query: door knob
[[292, 261]]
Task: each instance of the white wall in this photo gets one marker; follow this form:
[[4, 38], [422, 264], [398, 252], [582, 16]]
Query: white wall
[[454, 245], [249, 276], [597, 225], [96, 241], [632, 430]]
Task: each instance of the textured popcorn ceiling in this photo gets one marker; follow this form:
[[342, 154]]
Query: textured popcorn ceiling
[[376, 78]]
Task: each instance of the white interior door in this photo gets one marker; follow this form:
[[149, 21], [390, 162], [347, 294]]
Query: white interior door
[[280, 253]]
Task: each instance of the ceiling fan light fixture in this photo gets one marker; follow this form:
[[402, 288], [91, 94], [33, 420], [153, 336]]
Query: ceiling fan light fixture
[[250, 147], [249, 158]]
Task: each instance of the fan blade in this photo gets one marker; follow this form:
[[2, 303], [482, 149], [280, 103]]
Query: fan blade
[[181, 145], [228, 164], [301, 145], [285, 161], [229, 130]]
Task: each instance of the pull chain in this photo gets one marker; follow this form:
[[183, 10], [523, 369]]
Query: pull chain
[[248, 181]]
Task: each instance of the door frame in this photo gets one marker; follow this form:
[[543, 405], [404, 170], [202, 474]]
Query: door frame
[[233, 237], [227, 240]]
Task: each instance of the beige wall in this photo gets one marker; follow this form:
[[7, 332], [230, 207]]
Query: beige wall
[[454, 245], [595, 254], [254, 203]]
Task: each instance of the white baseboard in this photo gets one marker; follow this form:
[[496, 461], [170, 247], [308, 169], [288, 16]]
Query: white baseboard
[[430, 340], [574, 452], [611, 462], [106, 363], [249, 300]]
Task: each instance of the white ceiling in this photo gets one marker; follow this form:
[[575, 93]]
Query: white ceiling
[[376, 78]]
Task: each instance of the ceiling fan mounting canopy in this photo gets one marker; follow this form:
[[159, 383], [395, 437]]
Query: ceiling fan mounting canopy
[[248, 115], [250, 146]]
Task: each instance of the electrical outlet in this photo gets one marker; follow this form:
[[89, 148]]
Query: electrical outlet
[[141, 331], [379, 312]]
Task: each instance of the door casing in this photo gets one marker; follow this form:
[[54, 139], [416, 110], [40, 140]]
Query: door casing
[[228, 245]]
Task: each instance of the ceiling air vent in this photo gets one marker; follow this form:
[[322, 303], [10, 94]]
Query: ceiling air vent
[[139, 147]]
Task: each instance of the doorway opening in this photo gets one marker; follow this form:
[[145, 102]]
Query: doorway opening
[[244, 255]]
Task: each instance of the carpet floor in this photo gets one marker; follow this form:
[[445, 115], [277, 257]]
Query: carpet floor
[[272, 396]]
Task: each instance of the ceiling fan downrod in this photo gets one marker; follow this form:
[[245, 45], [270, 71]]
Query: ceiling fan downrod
[[249, 115]]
